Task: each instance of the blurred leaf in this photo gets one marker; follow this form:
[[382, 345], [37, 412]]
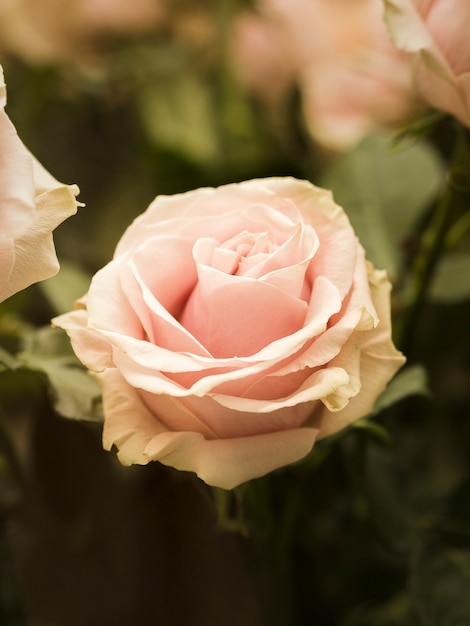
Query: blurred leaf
[[409, 381], [373, 428], [451, 282], [458, 506], [179, 116], [384, 191], [65, 287], [394, 612], [440, 583], [8, 360], [75, 393], [390, 514]]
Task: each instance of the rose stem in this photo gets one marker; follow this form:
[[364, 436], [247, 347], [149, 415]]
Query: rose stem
[[433, 242]]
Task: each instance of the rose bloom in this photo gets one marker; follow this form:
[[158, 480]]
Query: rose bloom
[[436, 34], [50, 31], [32, 205], [233, 328], [351, 77]]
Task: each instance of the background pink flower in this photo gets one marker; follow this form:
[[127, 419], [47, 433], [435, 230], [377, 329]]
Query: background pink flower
[[350, 76], [435, 34], [52, 31]]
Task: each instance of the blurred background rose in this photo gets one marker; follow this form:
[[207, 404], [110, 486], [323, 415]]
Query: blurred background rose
[[57, 31], [435, 34], [337, 52]]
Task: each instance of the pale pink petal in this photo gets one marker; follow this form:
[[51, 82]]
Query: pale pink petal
[[214, 420], [3, 90], [319, 385], [144, 369], [380, 360], [90, 346], [376, 371], [219, 462], [161, 328], [227, 463], [35, 256], [17, 207], [109, 308], [227, 314], [7, 262], [195, 213]]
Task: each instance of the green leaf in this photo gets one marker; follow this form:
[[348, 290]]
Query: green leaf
[[373, 428], [180, 117], [8, 360], [385, 190], [451, 283], [65, 287], [75, 393], [409, 381], [393, 612]]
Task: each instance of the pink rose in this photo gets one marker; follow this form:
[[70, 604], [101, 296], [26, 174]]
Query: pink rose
[[436, 34], [32, 204], [234, 327]]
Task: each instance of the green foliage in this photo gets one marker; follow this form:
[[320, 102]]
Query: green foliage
[[409, 381], [75, 394], [385, 190], [440, 581], [69, 284], [7, 360], [451, 283], [179, 116], [440, 564]]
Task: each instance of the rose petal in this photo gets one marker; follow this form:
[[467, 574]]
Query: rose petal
[[35, 256], [90, 346], [379, 360], [224, 463], [145, 369], [209, 211], [225, 313], [17, 191], [7, 262]]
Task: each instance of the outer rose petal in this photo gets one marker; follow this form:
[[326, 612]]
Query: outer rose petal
[[223, 463], [35, 257], [17, 210], [379, 360], [91, 348], [32, 205]]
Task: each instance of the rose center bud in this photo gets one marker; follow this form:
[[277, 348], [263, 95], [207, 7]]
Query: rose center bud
[[250, 290]]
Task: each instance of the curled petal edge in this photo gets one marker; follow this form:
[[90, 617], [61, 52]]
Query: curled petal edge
[[223, 463]]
